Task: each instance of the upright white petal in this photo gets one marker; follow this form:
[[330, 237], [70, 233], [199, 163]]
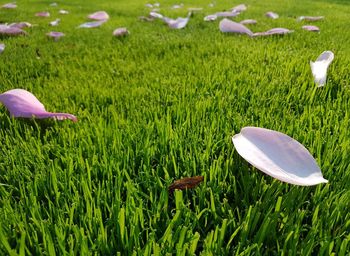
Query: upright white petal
[[320, 66]]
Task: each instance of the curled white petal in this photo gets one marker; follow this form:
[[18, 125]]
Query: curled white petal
[[278, 155], [320, 66]]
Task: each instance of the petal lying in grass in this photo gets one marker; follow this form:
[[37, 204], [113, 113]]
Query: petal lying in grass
[[178, 23], [11, 31], [53, 4], [185, 183], [118, 32], [195, 9], [210, 17], [248, 22], [21, 103], [177, 6], [239, 8], [311, 28], [100, 15], [229, 26], [320, 66], [2, 47], [55, 35], [63, 12], [272, 15], [156, 15], [227, 14], [55, 22], [93, 24], [310, 18], [278, 155], [274, 31], [21, 25], [9, 6], [42, 14]]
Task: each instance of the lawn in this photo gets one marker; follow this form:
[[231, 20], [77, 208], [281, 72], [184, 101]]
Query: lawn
[[163, 104]]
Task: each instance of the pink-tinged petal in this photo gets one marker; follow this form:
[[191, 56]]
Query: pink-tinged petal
[[248, 22], [239, 8], [120, 32], [100, 15], [320, 66], [229, 26], [195, 9], [93, 24], [274, 31], [55, 22], [177, 6], [178, 23], [21, 25], [156, 15], [63, 12], [227, 14], [278, 155], [42, 14], [55, 35], [311, 28], [272, 15], [210, 17], [310, 18], [9, 6], [2, 47], [11, 31], [21, 103]]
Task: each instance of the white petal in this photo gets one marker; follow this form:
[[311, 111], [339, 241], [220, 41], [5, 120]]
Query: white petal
[[320, 66], [2, 47], [278, 155]]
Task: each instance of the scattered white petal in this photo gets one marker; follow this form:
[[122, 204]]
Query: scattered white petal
[[119, 32], [210, 17], [100, 15], [93, 24], [156, 15], [311, 28], [278, 155], [248, 22], [177, 6], [320, 66], [53, 4], [272, 15], [55, 22], [9, 6], [63, 12], [229, 26], [2, 47], [310, 18]]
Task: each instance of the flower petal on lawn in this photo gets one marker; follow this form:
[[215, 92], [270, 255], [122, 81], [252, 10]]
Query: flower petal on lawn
[[274, 31], [20, 25], [227, 14], [278, 155], [9, 6], [21, 103], [100, 15], [118, 32], [42, 14], [210, 17], [55, 22], [63, 12], [92, 24], [310, 18], [272, 15], [239, 8], [11, 31], [248, 22], [2, 47], [55, 35], [311, 28], [320, 66], [178, 23], [229, 26]]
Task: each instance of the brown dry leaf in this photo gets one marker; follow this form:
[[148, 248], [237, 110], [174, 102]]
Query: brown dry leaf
[[185, 183]]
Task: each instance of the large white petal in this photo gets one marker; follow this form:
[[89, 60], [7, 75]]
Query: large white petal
[[320, 66], [278, 155]]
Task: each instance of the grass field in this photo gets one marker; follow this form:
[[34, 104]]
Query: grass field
[[163, 104]]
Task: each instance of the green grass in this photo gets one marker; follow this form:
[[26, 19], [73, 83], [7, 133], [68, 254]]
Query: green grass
[[163, 104]]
